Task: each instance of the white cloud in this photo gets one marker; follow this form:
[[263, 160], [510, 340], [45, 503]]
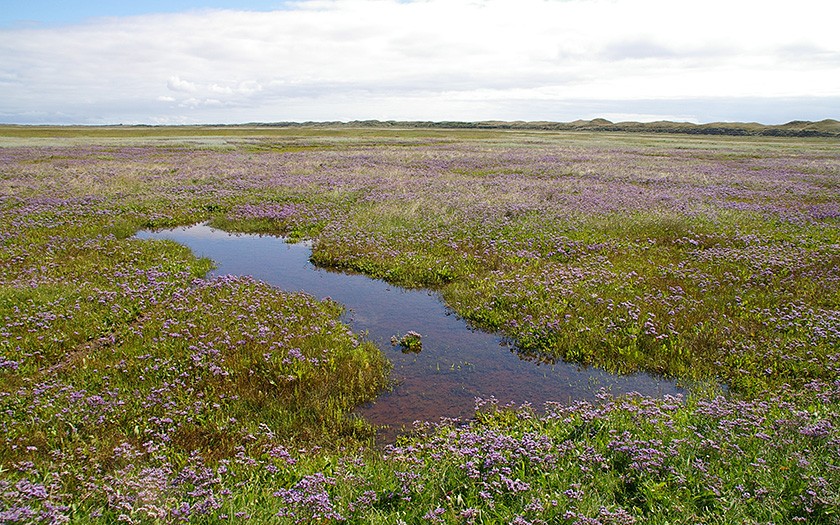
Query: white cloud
[[176, 84], [242, 88], [429, 59]]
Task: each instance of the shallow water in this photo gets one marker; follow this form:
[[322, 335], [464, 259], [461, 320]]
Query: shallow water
[[456, 364]]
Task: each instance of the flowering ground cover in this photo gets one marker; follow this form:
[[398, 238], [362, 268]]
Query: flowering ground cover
[[134, 389]]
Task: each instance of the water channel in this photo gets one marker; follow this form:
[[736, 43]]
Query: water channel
[[457, 364]]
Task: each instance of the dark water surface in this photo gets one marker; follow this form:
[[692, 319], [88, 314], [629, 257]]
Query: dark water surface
[[456, 364]]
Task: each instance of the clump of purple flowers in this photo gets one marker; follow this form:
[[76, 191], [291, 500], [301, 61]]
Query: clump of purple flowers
[[308, 500]]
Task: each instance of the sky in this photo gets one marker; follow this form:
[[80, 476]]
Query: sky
[[224, 62]]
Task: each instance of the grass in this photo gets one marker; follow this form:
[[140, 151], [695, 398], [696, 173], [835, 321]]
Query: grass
[[134, 389]]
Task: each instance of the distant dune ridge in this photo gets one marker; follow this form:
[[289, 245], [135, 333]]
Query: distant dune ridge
[[795, 128]]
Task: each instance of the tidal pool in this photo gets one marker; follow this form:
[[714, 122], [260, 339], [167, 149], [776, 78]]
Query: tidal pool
[[456, 365]]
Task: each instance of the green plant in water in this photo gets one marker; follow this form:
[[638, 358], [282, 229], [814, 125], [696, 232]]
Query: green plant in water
[[411, 342]]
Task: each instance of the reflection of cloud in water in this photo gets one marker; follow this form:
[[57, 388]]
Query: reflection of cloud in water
[[457, 363]]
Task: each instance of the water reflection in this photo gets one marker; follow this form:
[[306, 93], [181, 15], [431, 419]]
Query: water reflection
[[456, 364]]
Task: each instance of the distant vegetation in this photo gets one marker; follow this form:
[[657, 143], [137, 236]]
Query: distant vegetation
[[796, 128]]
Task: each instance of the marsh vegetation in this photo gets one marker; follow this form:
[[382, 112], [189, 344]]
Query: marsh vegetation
[[133, 387]]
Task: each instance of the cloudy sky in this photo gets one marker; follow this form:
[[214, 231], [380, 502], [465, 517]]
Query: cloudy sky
[[206, 61]]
